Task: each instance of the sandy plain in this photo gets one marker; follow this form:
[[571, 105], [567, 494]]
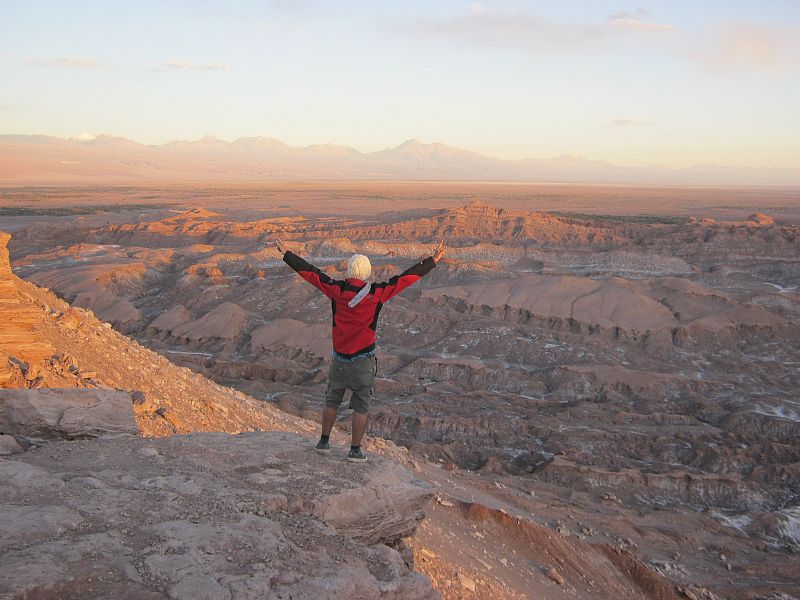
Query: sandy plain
[[375, 197]]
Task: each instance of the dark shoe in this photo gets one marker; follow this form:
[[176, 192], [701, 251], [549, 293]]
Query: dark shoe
[[323, 447], [356, 456]]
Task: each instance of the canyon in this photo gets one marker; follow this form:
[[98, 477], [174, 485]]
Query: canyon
[[604, 400]]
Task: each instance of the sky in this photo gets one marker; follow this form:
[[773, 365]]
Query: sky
[[674, 83]]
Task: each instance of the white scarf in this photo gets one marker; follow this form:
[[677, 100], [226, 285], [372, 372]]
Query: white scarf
[[362, 293]]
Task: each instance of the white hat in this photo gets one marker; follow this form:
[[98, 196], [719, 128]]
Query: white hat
[[359, 267]]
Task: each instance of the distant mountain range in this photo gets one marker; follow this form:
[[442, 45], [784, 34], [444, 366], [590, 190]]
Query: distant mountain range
[[84, 159]]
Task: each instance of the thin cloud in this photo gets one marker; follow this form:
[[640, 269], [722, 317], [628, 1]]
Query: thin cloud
[[187, 65], [750, 46], [517, 29], [636, 13], [637, 20], [66, 62], [739, 47], [628, 122], [513, 29]]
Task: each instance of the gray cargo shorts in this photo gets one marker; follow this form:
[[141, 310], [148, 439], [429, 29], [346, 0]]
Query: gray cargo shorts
[[358, 375]]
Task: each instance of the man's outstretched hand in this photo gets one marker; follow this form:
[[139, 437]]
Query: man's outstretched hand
[[439, 253], [279, 245]]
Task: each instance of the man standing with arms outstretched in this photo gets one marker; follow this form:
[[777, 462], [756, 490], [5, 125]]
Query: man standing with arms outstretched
[[356, 305]]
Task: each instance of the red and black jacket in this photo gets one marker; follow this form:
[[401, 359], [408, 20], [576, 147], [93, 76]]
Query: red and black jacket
[[354, 328]]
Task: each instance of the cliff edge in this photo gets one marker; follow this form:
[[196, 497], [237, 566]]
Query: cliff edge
[[114, 484], [205, 515]]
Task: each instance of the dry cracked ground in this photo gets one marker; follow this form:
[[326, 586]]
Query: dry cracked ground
[[582, 391]]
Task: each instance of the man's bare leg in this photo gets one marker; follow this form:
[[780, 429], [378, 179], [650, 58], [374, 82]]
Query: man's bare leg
[[359, 425], [328, 419]]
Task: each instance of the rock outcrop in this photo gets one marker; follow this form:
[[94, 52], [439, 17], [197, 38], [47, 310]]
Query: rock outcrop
[[206, 515], [46, 343], [761, 219], [5, 263], [19, 340], [33, 416]]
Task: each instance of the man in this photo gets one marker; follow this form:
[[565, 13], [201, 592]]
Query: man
[[356, 305]]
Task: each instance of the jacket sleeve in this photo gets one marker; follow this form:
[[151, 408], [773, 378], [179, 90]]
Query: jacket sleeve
[[395, 285], [312, 274]]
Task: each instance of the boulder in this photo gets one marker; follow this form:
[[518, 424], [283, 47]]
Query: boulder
[[32, 416], [8, 445], [205, 515], [353, 511], [143, 403]]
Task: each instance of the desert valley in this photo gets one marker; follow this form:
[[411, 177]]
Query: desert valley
[[549, 252], [598, 385]]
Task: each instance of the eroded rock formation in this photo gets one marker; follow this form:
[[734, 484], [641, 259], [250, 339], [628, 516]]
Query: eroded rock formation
[[644, 365], [20, 342]]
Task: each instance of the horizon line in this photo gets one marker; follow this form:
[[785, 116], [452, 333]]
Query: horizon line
[[210, 136], [139, 184]]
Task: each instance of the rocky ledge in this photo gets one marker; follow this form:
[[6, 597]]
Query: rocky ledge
[[205, 516], [33, 417]]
